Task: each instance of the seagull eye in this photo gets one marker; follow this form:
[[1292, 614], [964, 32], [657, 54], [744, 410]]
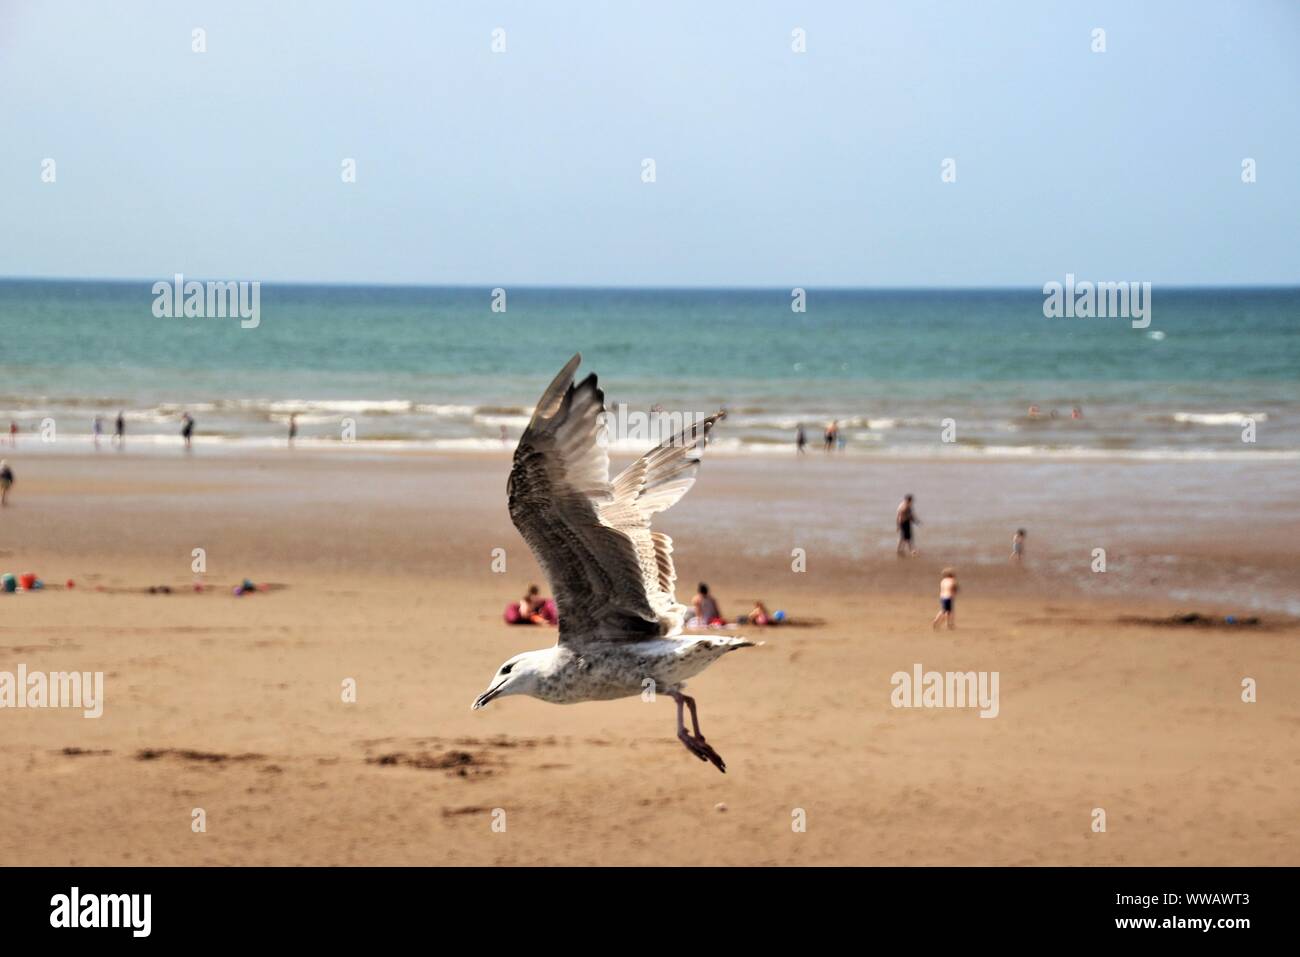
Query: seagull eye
[[505, 669]]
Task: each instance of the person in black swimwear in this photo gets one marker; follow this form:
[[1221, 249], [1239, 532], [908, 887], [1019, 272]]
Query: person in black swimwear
[[828, 438], [906, 518]]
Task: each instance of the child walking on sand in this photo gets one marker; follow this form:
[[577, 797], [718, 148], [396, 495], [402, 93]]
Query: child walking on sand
[[947, 592], [1018, 546]]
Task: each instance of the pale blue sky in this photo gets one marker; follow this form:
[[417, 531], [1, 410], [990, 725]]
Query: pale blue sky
[[774, 169]]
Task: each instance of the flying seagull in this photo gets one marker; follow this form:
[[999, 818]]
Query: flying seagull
[[613, 578]]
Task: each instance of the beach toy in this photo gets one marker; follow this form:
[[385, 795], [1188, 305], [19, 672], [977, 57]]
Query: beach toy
[[70, 584], [778, 615], [27, 581], [1231, 619], [9, 583]]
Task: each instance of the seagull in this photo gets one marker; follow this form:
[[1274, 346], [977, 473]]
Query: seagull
[[613, 578]]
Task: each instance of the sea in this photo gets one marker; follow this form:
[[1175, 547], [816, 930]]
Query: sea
[[1215, 374]]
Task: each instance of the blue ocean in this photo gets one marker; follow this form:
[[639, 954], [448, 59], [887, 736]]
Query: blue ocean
[[977, 372]]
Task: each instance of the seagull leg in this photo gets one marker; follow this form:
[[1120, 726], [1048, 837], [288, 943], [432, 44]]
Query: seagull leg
[[695, 718], [695, 743]]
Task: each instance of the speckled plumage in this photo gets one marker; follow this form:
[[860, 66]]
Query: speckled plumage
[[621, 669], [613, 578]]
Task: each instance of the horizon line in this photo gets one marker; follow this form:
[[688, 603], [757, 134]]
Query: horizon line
[[654, 287]]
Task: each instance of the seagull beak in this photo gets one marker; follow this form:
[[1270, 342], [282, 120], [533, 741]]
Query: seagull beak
[[487, 696]]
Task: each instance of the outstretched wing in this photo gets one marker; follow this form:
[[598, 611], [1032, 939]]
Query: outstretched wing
[[612, 577], [654, 483]]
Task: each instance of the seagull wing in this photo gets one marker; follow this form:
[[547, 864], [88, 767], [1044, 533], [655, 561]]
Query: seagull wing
[[612, 577], [654, 483]]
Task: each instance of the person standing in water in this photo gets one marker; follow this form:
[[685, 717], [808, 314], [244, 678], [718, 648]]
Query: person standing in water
[[905, 519], [187, 429], [119, 430], [293, 427], [800, 440], [97, 429]]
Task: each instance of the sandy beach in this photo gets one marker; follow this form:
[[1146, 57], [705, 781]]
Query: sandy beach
[[234, 704]]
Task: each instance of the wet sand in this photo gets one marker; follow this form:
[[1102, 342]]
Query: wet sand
[[233, 705]]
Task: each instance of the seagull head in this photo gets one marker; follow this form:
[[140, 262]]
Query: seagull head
[[520, 675]]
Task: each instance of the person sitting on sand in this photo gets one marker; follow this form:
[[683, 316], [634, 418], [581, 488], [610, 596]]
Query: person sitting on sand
[[707, 612], [532, 609], [535, 608], [6, 481], [760, 615], [1018, 545], [530, 606], [947, 592]]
